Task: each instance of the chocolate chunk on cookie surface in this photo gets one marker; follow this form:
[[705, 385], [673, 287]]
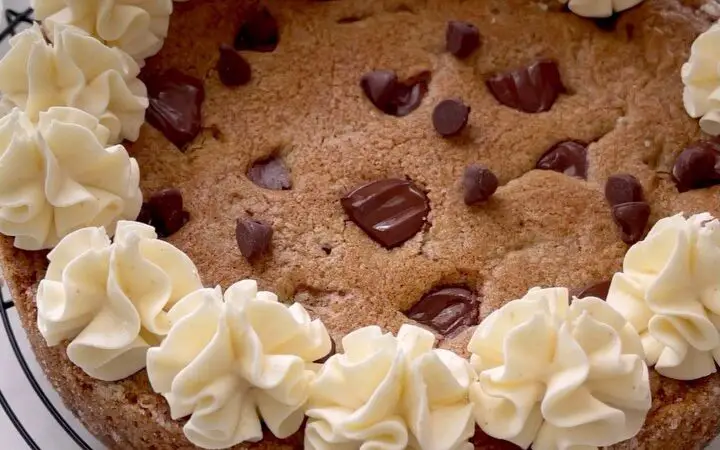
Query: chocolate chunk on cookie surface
[[479, 183], [392, 96], [390, 211], [253, 237], [531, 89], [568, 157], [232, 68], [632, 219], [164, 210], [698, 166], [446, 310], [623, 188], [462, 38], [175, 106], [450, 117]]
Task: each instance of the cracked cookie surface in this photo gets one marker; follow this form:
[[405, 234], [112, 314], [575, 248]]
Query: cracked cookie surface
[[304, 106]]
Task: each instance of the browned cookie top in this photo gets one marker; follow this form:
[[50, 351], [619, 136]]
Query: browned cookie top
[[304, 110]]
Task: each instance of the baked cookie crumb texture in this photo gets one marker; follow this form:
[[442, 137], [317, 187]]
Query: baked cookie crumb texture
[[402, 170]]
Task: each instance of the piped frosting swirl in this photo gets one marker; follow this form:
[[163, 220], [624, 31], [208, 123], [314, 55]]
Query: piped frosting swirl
[[558, 376], [701, 75], [669, 291], [58, 175], [75, 70], [136, 27], [391, 393], [231, 360], [109, 299]]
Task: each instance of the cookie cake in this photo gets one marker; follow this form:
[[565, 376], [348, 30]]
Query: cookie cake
[[369, 224]]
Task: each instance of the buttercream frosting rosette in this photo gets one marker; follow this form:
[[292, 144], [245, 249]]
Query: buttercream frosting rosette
[[75, 70], [59, 175], [5, 107], [558, 375], [230, 361], [669, 290], [110, 299], [599, 8], [137, 27], [389, 393], [701, 75]]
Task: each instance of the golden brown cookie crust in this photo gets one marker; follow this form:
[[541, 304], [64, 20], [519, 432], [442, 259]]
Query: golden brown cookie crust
[[304, 104]]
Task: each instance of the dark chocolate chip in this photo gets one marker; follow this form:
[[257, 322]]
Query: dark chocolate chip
[[175, 106], [145, 215], [447, 310], [392, 96], [531, 89], [599, 290], [632, 219], [390, 211], [479, 183], [259, 32], [253, 237], [166, 211], [333, 350], [698, 166], [270, 174], [379, 86], [623, 188], [462, 38], [232, 68], [450, 117], [568, 157]]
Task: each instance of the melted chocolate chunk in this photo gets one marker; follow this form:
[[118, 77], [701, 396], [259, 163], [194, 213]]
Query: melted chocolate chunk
[[175, 106], [568, 157], [333, 350], [394, 97], [390, 211], [632, 219], [259, 32], [166, 211], [232, 68], [447, 310], [270, 174], [599, 290], [462, 38], [623, 188], [531, 89], [450, 117], [479, 183], [253, 238], [379, 87], [698, 166]]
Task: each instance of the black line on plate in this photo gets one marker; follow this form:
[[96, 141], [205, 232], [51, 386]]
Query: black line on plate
[[36, 387], [16, 423], [14, 19]]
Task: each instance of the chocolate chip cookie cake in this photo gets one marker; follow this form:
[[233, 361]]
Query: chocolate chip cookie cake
[[369, 224]]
